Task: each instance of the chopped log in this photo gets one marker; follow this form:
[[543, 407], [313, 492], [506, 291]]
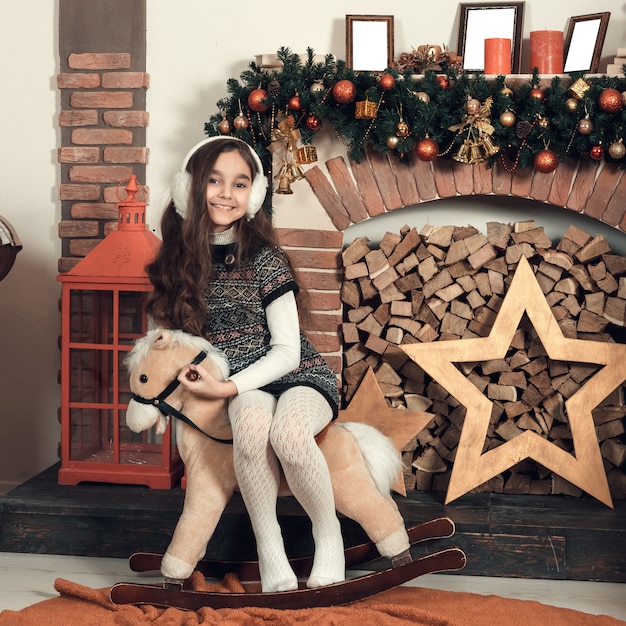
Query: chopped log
[[430, 461], [482, 256], [355, 251], [614, 451], [594, 249], [377, 263], [498, 234], [559, 259]]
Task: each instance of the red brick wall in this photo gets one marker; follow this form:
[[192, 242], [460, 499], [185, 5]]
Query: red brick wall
[[103, 131]]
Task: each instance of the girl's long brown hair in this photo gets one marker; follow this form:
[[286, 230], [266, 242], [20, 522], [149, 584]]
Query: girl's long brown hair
[[183, 265]]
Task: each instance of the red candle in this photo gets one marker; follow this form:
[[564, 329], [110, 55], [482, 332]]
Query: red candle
[[497, 56], [546, 51]]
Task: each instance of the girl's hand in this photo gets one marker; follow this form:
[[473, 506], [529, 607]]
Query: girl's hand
[[200, 382]]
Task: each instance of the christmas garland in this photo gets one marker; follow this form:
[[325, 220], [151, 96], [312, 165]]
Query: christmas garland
[[437, 114]]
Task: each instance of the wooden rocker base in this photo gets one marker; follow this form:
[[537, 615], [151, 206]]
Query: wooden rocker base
[[166, 595]]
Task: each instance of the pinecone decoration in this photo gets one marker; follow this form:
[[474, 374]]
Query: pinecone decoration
[[522, 130], [274, 89]]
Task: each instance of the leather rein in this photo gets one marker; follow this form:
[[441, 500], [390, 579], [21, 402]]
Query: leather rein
[[167, 409]]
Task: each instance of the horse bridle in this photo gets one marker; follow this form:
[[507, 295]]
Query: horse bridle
[[167, 409]]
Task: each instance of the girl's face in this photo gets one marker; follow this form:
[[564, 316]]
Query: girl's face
[[228, 190]]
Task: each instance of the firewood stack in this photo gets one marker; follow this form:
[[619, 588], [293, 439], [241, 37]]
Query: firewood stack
[[448, 282]]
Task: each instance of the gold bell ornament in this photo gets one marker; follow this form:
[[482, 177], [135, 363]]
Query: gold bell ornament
[[284, 180]]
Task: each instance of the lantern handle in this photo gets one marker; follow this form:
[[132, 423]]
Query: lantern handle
[[132, 188]]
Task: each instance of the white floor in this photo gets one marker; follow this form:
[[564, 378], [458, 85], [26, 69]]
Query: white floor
[[29, 578]]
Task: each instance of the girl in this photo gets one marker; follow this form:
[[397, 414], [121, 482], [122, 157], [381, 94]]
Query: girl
[[220, 274]]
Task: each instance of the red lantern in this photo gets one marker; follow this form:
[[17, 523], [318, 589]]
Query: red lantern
[[102, 315]]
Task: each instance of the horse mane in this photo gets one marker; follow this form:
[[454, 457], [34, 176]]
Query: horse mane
[[143, 345]]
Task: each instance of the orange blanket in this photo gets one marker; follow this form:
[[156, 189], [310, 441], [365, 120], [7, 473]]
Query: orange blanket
[[82, 606]]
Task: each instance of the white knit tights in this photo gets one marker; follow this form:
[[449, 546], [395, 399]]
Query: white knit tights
[[266, 433]]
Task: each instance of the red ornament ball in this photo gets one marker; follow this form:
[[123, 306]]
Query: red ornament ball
[[313, 122], [536, 93], [258, 100], [386, 82], [295, 104], [610, 101], [546, 161], [427, 149], [344, 91], [596, 153], [443, 82]]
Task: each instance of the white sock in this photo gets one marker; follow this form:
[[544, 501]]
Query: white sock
[[257, 472], [300, 414]]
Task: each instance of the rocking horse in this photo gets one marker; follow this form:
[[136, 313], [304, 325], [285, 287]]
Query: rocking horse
[[363, 464]]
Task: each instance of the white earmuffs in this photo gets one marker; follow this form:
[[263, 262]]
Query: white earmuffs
[[180, 188]]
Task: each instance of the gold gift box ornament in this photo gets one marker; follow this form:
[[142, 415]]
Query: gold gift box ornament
[[366, 110], [306, 155]]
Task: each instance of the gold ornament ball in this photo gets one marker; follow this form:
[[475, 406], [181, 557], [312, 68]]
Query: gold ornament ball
[[427, 149], [546, 161], [506, 91], [585, 126], [571, 104], [610, 101], [507, 118], [241, 122], [386, 82], [344, 91], [423, 96], [624, 98], [472, 106], [392, 142], [224, 126], [402, 129], [258, 100], [596, 153], [617, 150]]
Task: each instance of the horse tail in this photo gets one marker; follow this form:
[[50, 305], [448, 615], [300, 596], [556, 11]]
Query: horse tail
[[380, 455]]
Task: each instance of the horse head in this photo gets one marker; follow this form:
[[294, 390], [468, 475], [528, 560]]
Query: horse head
[[153, 366]]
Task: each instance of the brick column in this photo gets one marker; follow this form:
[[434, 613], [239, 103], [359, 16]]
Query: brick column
[[100, 149], [103, 118]]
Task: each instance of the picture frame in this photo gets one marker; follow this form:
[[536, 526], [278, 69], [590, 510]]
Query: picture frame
[[481, 20], [583, 43], [369, 42]]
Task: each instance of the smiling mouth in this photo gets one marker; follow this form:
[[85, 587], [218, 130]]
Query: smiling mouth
[[224, 207]]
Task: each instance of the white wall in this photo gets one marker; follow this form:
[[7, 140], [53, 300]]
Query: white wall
[[29, 178], [194, 46]]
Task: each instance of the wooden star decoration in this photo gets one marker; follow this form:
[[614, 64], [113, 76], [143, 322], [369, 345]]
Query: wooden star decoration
[[472, 468], [368, 406]]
